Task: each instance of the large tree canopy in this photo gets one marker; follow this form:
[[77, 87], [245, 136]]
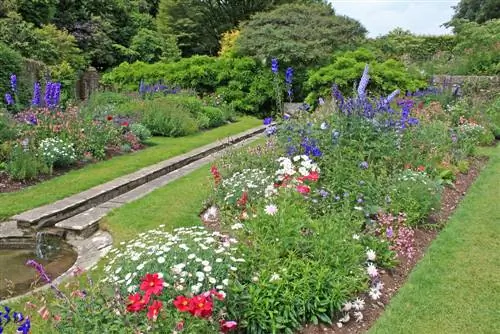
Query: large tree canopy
[[477, 10], [198, 25], [299, 35]]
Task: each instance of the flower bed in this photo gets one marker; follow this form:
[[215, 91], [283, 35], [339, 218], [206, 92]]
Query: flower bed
[[305, 225]]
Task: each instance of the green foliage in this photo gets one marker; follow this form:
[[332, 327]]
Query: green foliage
[[405, 46], [299, 35], [150, 47], [479, 11], [198, 25], [140, 131], [345, 69], [10, 63], [24, 165], [415, 194], [241, 82]]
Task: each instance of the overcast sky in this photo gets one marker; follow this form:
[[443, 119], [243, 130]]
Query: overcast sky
[[381, 16]]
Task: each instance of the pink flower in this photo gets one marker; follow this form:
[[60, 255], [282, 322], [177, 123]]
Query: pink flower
[[271, 209], [227, 326], [303, 189]]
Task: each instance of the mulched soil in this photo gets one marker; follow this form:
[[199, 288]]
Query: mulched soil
[[396, 277], [8, 185]]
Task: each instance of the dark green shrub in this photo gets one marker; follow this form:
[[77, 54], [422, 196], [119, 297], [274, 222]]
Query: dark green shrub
[[215, 116], [345, 69], [7, 131], [10, 63], [241, 82]]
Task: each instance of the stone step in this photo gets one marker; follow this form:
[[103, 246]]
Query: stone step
[[49, 215], [84, 224]]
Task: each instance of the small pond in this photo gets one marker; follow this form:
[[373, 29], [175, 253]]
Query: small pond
[[16, 278]]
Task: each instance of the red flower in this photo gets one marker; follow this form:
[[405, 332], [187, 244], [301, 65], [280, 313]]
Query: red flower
[[182, 303], [154, 309], [217, 295], [313, 176], [125, 124], [216, 174], [109, 118], [227, 326], [303, 189], [243, 199], [421, 168], [137, 302], [201, 307], [152, 284]]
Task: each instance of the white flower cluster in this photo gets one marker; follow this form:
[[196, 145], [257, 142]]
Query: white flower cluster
[[301, 164], [253, 181], [190, 260], [56, 151], [413, 176]]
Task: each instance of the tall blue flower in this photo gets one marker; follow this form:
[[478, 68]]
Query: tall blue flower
[[268, 120], [48, 94], [36, 94], [391, 96], [13, 82], [56, 93], [8, 99], [363, 82], [274, 65], [288, 81]]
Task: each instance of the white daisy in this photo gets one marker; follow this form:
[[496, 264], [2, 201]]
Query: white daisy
[[372, 270], [274, 277], [271, 209], [370, 254], [375, 293]]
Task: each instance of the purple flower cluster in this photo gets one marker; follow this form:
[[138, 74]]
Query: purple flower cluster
[[36, 100], [274, 65], [310, 147], [23, 323], [8, 99], [288, 82], [13, 82], [406, 106], [52, 94], [159, 87]]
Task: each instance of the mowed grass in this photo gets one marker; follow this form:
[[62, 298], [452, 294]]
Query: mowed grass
[[456, 287], [177, 204], [92, 175]]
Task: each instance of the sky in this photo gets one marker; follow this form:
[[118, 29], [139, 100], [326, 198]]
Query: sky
[[381, 16]]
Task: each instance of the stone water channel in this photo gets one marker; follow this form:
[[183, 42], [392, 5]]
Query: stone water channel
[[65, 235]]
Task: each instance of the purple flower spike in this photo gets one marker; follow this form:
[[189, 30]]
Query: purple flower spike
[[8, 99], [363, 82], [13, 82], [274, 65], [39, 268]]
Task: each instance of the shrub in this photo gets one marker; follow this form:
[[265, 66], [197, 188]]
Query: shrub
[[215, 116], [25, 164], [241, 82], [10, 63], [344, 72], [140, 131]]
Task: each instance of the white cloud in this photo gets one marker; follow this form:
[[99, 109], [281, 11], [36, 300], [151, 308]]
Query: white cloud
[[382, 16]]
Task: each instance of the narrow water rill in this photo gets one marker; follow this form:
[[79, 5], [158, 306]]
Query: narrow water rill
[[48, 249]]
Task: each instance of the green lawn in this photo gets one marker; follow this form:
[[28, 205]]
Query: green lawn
[[456, 287], [92, 175], [176, 204]]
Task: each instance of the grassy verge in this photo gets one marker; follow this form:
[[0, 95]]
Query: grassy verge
[[456, 287], [95, 174]]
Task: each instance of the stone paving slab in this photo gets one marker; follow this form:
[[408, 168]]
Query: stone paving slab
[[50, 214]]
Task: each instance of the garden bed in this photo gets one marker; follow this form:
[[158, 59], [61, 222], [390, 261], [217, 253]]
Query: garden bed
[[395, 278]]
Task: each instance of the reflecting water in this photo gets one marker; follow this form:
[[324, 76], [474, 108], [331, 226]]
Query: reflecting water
[[17, 278]]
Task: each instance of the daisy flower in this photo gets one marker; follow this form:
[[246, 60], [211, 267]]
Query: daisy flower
[[271, 209]]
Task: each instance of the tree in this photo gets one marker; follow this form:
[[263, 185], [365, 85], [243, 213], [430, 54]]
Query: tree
[[198, 25], [38, 12], [299, 35], [478, 11]]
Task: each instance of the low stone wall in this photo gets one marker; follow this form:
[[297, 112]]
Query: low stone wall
[[449, 81]]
